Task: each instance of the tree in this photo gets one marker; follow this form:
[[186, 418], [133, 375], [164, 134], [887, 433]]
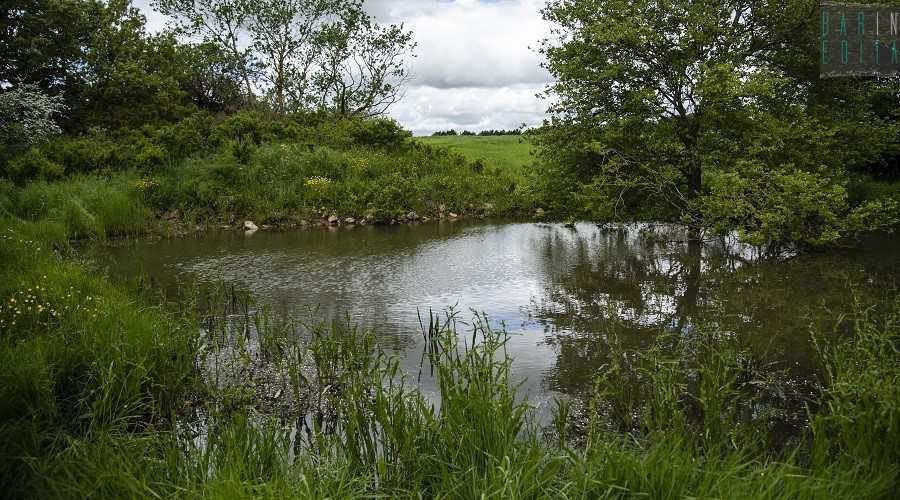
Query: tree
[[132, 78], [42, 42], [98, 56], [28, 116], [211, 78], [303, 53], [362, 71], [285, 34], [223, 22], [657, 100]]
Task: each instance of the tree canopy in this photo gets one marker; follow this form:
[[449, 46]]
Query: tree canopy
[[303, 54], [711, 112]]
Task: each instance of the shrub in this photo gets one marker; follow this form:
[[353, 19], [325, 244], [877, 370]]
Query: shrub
[[185, 138], [32, 165], [95, 151]]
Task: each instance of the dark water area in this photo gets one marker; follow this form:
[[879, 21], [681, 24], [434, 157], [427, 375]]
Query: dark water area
[[561, 293]]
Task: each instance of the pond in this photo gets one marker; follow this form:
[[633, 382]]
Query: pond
[[560, 292]]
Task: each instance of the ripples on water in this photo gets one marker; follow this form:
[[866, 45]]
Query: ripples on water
[[560, 292]]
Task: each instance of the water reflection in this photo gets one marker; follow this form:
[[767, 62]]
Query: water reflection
[[638, 282], [561, 292]]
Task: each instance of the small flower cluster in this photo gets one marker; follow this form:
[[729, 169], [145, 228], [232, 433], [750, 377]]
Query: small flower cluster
[[34, 307], [20, 241], [27, 307], [147, 184], [359, 164], [318, 183]]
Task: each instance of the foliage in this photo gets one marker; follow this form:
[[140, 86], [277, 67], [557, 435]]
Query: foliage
[[287, 183], [248, 165], [212, 80], [28, 116], [303, 54], [362, 70], [32, 165], [665, 104], [784, 208]]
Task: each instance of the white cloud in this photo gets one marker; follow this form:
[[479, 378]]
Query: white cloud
[[476, 67], [427, 109], [469, 43]]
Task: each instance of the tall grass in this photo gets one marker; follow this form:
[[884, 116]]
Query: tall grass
[[89, 206], [103, 394], [80, 359]]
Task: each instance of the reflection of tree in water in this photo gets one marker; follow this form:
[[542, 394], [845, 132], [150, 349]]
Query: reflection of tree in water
[[636, 282]]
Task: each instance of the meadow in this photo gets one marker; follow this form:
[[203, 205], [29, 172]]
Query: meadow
[[510, 153]]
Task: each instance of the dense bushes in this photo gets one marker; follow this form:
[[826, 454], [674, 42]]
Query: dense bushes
[[273, 171], [152, 147]]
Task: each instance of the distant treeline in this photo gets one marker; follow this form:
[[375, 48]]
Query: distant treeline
[[440, 133]]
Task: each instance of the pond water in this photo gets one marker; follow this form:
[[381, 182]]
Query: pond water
[[559, 291]]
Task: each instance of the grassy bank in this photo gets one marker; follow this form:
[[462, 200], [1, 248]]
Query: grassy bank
[[106, 394], [284, 173]]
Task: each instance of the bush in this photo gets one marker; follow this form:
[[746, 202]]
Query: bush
[[788, 208], [32, 165], [95, 151], [186, 138]]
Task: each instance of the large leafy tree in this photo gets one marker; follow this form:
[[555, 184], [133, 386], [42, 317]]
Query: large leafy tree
[[708, 110], [43, 42], [98, 56], [211, 79]]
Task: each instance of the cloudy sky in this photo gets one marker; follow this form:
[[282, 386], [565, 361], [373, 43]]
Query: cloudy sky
[[476, 67]]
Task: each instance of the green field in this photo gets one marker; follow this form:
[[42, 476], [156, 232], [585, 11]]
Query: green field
[[509, 152]]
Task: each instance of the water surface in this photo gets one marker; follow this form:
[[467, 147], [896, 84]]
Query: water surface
[[560, 292]]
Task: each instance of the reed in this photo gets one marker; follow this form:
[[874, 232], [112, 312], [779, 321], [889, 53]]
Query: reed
[[104, 394]]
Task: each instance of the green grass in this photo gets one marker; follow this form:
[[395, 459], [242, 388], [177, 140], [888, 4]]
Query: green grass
[[282, 183], [285, 182], [94, 382], [510, 153]]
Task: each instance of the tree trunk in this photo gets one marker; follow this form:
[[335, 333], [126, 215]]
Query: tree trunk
[[695, 184]]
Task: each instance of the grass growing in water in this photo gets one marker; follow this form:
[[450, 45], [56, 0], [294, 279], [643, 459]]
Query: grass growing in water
[[113, 397]]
